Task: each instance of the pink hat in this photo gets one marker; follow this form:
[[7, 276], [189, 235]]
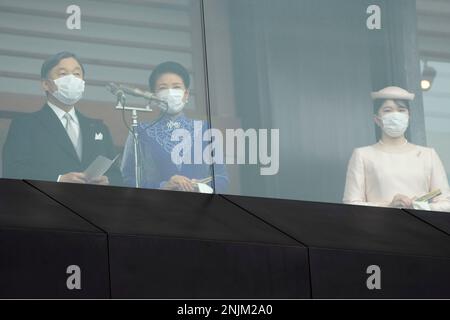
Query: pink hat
[[394, 93]]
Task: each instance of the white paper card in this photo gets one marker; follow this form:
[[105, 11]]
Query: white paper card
[[417, 205], [99, 167], [204, 188]]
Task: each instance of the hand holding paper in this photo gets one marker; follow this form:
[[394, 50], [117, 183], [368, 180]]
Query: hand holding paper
[[422, 203], [96, 170]]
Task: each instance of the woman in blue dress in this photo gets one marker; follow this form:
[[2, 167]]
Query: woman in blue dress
[[170, 82]]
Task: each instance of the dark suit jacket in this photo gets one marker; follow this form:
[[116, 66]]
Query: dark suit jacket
[[38, 147]]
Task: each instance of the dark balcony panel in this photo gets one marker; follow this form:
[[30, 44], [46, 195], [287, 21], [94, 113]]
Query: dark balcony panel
[[39, 240]]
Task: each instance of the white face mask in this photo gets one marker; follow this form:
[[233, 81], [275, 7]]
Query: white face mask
[[70, 89], [174, 99], [395, 124]]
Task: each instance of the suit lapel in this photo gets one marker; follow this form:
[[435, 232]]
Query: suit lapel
[[50, 122], [87, 128]]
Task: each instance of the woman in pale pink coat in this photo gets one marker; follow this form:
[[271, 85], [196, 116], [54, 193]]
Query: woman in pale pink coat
[[394, 172]]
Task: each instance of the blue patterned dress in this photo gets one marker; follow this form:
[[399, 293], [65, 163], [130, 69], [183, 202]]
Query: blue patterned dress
[[156, 147]]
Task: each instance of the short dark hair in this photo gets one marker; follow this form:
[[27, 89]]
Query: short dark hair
[[379, 102], [169, 67], [53, 61]]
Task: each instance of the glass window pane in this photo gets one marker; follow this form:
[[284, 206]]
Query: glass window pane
[[306, 70], [120, 43]]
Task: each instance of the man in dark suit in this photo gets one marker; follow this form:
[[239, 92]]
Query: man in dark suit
[[58, 143]]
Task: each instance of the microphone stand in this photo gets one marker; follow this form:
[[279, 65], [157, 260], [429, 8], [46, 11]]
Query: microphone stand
[[122, 105]]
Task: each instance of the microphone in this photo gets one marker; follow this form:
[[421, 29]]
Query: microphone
[[120, 91], [138, 92], [115, 90]]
